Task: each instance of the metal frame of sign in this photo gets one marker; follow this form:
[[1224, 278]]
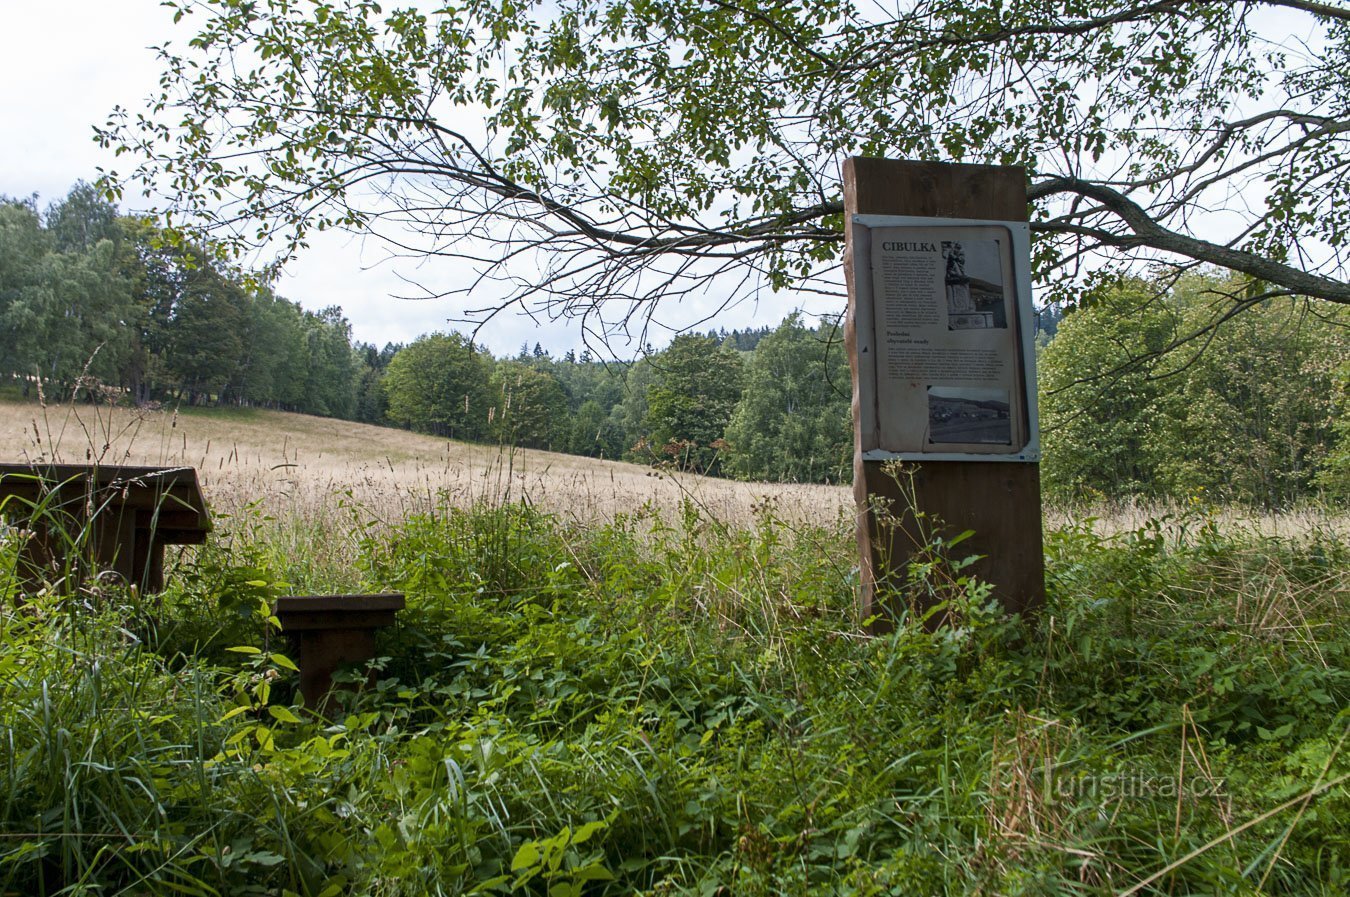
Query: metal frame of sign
[[865, 329]]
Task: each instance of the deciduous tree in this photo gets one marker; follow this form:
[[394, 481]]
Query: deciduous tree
[[642, 146], [439, 384], [1247, 415], [696, 387], [206, 332], [793, 421], [529, 406], [1099, 397], [65, 297]]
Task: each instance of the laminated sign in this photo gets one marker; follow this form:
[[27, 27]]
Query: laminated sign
[[946, 362]]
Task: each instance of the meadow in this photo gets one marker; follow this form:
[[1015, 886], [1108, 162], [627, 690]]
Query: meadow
[[294, 474], [615, 680]]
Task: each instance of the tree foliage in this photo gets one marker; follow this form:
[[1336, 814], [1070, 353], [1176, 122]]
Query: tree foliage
[[439, 384], [96, 303], [695, 389], [64, 292], [209, 322], [646, 144], [1249, 414], [529, 407], [793, 422], [1335, 475], [1098, 398]]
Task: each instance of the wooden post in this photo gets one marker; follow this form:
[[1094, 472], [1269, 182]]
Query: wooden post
[[1000, 501]]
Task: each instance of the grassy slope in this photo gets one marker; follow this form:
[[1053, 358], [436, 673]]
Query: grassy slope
[[295, 463]]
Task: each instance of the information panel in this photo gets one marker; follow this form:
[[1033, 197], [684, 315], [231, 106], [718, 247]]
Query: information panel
[[944, 312]]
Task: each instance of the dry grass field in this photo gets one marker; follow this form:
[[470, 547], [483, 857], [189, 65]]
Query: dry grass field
[[293, 464], [300, 469]]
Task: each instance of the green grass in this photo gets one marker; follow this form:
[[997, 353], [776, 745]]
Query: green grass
[[690, 708]]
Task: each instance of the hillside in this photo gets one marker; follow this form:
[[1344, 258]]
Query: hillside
[[295, 462]]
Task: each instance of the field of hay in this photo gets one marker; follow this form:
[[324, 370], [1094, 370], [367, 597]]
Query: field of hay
[[300, 469], [298, 465]]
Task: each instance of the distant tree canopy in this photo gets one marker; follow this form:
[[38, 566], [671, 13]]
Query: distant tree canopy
[[64, 294], [679, 406], [91, 299], [696, 386], [1335, 475], [793, 422], [529, 406], [1248, 412]]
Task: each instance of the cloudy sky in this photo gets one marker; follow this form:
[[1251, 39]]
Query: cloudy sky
[[66, 65]]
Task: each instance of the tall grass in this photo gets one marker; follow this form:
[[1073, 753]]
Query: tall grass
[[660, 686], [668, 703]]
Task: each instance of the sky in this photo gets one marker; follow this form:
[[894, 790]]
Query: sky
[[66, 65]]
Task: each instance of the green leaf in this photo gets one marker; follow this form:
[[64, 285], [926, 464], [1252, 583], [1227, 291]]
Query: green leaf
[[283, 714], [594, 872], [526, 857], [284, 662], [584, 833], [958, 539]]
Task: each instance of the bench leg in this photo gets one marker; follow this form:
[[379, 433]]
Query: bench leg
[[322, 652]]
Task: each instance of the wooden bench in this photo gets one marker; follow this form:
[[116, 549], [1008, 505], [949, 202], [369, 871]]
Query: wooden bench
[[330, 632], [114, 518]]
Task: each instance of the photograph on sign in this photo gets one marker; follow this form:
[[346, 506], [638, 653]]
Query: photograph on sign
[[960, 415], [949, 363], [974, 280]]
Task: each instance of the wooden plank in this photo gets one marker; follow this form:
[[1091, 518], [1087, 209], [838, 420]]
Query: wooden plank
[[1000, 501], [109, 489]]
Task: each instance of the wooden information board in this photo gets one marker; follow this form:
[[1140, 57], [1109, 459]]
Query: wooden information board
[[939, 333]]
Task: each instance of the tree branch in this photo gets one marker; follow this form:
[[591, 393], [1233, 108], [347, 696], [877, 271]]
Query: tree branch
[[1312, 6], [1149, 232]]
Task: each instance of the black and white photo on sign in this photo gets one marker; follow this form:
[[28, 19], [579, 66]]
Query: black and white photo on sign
[[974, 280], [970, 416]]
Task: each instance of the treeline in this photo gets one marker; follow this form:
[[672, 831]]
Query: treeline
[[100, 304], [1142, 397], [779, 412], [1138, 397]]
